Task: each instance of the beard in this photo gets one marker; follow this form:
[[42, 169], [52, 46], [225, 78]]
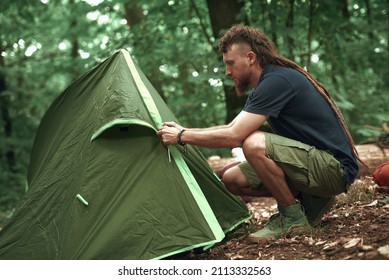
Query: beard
[[241, 86]]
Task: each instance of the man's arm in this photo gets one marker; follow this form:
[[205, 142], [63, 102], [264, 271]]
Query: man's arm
[[225, 136]]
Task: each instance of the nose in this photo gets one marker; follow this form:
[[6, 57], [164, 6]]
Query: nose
[[228, 72]]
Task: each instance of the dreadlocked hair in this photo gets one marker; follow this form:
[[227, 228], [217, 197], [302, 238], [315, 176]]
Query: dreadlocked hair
[[267, 53]]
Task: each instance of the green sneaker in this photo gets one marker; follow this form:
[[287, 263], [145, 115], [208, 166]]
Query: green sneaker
[[289, 220], [315, 206]]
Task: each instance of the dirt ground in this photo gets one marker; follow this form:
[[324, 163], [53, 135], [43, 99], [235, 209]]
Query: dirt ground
[[356, 228]]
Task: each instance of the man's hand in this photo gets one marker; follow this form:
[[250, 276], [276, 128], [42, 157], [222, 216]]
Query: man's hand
[[173, 124], [169, 132]]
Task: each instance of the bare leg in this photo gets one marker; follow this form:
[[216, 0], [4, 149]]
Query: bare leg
[[236, 182], [271, 175]]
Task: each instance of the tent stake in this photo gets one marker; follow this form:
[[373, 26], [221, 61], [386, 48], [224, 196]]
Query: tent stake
[[168, 154]]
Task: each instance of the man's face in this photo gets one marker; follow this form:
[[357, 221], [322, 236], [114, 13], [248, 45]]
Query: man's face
[[238, 67]]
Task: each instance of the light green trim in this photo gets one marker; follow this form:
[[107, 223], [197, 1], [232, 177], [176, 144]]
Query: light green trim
[[209, 244], [144, 92], [205, 245], [120, 122], [231, 229], [216, 176], [186, 173], [239, 223], [198, 195]]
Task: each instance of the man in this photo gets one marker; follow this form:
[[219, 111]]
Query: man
[[311, 157]]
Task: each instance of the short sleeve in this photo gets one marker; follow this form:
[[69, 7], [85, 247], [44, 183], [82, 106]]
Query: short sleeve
[[271, 96]]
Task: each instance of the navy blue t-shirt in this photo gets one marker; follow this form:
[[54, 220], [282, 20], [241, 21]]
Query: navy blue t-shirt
[[298, 111]]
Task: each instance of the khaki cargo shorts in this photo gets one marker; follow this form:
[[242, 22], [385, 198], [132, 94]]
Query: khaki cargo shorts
[[306, 168]]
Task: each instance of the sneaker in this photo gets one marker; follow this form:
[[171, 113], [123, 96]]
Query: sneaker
[[315, 206], [289, 220]]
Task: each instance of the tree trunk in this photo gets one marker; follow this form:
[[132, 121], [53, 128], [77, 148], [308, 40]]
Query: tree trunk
[[289, 27], [369, 19], [310, 32], [8, 152], [75, 46], [223, 15], [134, 15], [273, 23]]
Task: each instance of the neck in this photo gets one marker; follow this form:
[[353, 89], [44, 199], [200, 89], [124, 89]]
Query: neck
[[257, 73]]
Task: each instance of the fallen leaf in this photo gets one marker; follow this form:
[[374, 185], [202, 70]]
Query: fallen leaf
[[320, 242], [237, 257], [374, 226], [366, 247], [309, 240], [329, 246], [353, 242], [266, 214], [374, 203], [384, 250]]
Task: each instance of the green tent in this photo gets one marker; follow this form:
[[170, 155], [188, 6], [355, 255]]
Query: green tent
[[101, 185]]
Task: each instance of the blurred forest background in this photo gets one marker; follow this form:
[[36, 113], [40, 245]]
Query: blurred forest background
[[45, 44]]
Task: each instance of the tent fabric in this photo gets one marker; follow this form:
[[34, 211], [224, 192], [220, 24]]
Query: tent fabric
[[101, 185]]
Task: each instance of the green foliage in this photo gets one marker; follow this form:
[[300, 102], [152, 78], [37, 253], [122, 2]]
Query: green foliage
[[45, 44]]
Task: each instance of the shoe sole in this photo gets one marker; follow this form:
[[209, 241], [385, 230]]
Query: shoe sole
[[260, 240], [292, 231]]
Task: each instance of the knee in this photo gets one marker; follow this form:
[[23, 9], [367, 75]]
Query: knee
[[232, 179], [229, 180], [254, 145]]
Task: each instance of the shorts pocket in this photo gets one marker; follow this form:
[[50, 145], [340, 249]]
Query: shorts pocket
[[325, 172], [293, 159]]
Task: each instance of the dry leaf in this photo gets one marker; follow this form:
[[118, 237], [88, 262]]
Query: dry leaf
[[266, 214], [384, 250], [366, 247], [330, 245], [320, 242], [309, 240], [374, 203], [353, 242], [237, 257]]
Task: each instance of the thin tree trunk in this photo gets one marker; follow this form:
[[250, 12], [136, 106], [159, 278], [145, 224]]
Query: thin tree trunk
[[263, 5], [134, 15], [8, 152], [310, 31], [289, 27], [223, 14], [369, 19], [75, 46], [273, 24]]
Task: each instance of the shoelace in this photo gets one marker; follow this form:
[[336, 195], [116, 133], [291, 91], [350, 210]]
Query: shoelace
[[275, 218]]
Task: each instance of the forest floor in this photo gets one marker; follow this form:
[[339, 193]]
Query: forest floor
[[356, 228]]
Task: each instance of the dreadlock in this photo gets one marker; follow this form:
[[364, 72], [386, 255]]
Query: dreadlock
[[267, 53]]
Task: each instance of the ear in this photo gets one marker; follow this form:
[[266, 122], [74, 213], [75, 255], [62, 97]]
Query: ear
[[252, 57]]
